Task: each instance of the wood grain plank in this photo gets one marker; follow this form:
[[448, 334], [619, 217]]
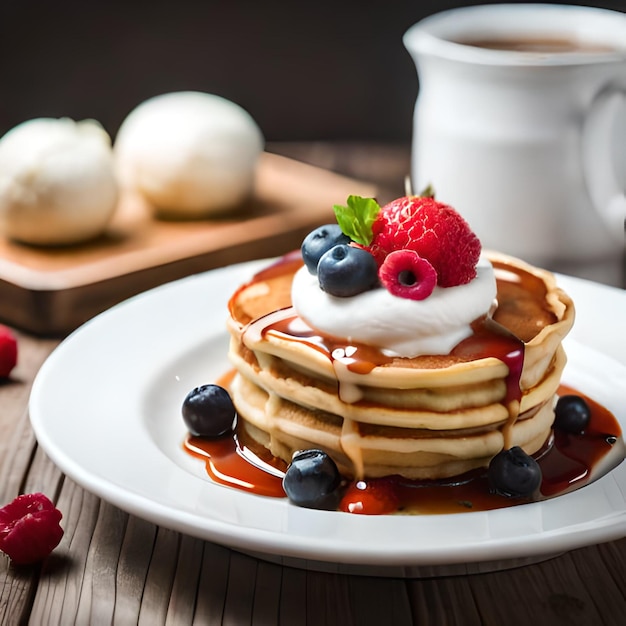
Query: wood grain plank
[[613, 555], [545, 593], [239, 602], [17, 451], [96, 603], [17, 441], [431, 603], [329, 599], [43, 475], [293, 598], [181, 608], [132, 569], [17, 586], [607, 592], [381, 600], [213, 584], [160, 579], [266, 607]]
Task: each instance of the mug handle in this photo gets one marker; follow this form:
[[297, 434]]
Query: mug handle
[[604, 157]]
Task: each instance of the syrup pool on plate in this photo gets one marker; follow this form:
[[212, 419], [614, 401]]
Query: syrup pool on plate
[[567, 462]]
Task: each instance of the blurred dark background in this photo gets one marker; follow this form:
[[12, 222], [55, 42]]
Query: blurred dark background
[[320, 70]]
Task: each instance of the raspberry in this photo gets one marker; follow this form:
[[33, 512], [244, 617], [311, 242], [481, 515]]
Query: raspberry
[[375, 497], [8, 351], [405, 274], [29, 528], [432, 229]]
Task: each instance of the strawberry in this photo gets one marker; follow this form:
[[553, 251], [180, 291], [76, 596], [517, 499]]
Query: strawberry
[[8, 351], [29, 528], [377, 496], [434, 230]]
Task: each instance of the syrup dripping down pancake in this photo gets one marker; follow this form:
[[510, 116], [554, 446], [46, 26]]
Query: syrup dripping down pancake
[[422, 417]]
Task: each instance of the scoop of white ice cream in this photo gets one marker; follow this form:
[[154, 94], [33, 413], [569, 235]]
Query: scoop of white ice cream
[[398, 326], [57, 181], [189, 153]]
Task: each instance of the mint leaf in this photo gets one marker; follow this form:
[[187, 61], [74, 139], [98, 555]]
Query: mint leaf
[[356, 219], [428, 192]]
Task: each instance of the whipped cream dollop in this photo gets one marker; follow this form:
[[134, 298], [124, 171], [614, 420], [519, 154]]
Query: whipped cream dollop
[[398, 326]]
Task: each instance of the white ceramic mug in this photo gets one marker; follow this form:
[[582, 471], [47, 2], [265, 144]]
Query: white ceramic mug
[[530, 146]]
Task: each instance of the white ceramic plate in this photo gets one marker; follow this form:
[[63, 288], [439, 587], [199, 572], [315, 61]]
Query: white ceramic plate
[[106, 408]]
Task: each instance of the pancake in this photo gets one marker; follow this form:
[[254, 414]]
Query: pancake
[[427, 417]]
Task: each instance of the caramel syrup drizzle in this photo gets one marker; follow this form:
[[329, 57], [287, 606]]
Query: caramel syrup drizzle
[[488, 339]]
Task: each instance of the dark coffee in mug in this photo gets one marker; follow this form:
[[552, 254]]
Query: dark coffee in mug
[[546, 45]]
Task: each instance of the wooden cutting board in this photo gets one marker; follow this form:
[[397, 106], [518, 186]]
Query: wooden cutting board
[[51, 291]]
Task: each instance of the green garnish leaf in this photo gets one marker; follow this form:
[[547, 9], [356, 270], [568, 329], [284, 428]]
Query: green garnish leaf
[[356, 219], [428, 192]]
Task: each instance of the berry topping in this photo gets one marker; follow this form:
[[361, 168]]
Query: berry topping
[[432, 229], [319, 241], [208, 411], [406, 274], [311, 480], [513, 473], [375, 497], [571, 414], [29, 528], [8, 351], [346, 271]]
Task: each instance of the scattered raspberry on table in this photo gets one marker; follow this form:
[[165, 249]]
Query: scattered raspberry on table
[[29, 528], [8, 351]]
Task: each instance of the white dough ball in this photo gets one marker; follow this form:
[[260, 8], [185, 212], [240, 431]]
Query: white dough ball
[[57, 181], [190, 154]]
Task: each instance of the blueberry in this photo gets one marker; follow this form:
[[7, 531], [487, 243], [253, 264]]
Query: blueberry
[[346, 271], [571, 414], [208, 411], [513, 473], [311, 479], [319, 241]]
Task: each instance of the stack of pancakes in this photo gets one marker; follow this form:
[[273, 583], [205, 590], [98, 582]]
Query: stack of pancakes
[[428, 417]]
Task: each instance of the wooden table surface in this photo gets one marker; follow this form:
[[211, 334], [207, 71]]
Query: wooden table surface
[[114, 568]]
